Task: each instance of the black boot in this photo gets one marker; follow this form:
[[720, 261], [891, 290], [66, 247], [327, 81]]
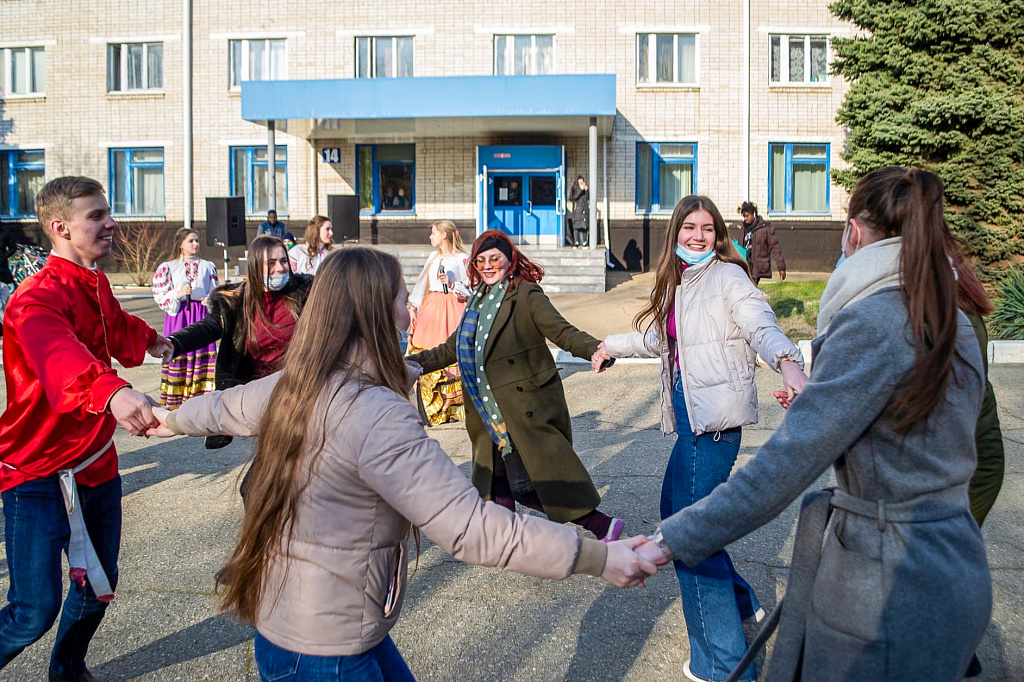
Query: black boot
[[82, 676]]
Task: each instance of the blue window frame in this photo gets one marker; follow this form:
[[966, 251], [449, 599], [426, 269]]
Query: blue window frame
[[799, 178], [665, 173], [21, 178], [249, 178], [386, 178], [137, 182]]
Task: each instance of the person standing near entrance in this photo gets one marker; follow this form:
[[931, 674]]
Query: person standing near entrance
[[579, 195], [437, 302], [519, 423], [758, 238], [272, 226]]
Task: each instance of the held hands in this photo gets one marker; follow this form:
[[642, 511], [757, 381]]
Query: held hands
[[625, 566], [793, 381], [161, 348], [599, 357], [133, 410], [160, 431]]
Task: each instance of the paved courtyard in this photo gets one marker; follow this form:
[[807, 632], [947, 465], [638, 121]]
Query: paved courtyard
[[466, 623]]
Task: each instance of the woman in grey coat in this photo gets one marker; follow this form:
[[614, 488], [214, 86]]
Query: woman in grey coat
[[901, 590]]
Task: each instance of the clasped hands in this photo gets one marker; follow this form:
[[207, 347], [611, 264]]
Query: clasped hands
[[631, 561]]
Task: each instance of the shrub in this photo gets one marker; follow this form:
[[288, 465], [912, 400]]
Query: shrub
[[1007, 322]]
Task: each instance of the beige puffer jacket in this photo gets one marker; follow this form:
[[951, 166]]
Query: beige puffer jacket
[[337, 588], [721, 319]]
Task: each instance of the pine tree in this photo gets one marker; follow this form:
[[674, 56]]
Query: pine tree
[[939, 85]]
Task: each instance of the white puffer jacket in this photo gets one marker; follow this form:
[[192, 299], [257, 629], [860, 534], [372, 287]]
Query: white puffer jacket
[[721, 319]]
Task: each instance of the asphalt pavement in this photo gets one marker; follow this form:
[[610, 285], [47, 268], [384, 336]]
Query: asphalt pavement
[[181, 512]]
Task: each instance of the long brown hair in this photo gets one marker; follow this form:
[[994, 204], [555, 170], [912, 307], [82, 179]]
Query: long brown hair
[[312, 238], [970, 292], [179, 239], [347, 332], [522, 267], [897, 202], [252, 290], [669, 273]]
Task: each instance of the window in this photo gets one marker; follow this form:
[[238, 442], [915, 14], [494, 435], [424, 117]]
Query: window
[[384, 57], [799, 59], [135, 66], [386, 177], [137, 182], [22, 71], [666, 58], [798, 178], [249, 178], [665, 173], [256, 60], [21, 178], [530, 55]]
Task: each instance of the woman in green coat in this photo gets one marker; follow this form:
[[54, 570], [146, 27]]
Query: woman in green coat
[[520, 425]]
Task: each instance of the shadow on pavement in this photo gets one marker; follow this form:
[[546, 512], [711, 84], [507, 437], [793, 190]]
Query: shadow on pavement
[[196, 641]]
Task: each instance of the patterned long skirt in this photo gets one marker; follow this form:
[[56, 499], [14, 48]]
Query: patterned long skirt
[[440, 392], [190, 374]]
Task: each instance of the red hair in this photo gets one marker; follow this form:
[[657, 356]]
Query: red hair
[[521, 268]]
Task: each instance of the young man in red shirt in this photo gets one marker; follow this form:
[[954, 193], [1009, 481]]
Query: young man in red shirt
[[58, 477]]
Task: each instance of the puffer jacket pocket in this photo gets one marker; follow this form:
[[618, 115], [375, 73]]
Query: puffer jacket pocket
[[394, 592]]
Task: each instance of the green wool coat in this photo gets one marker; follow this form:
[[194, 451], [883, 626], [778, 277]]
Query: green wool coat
[[525, 382]]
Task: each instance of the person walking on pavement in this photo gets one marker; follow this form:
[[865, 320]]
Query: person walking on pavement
[[758, 238], [272, 226]]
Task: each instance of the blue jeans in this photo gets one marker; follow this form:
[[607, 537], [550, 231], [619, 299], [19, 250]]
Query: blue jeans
[[382, 663], [37, 533], [716, 599]]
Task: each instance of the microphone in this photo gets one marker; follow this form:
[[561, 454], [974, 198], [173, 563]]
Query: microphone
[[440, 271]]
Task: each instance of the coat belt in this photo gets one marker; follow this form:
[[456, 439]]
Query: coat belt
[[790, 615]]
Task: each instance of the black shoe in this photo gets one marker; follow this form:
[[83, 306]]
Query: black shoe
[[83, 676]]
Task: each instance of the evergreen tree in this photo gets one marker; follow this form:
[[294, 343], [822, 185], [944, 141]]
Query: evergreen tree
[[939, 85]]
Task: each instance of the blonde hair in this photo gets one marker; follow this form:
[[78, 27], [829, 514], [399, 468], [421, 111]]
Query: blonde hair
[[54, 200], [451, 233]]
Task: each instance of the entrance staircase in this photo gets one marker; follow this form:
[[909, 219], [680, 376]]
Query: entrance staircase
[[565, 270]]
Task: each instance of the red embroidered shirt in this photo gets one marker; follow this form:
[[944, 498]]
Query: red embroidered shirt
[[61, 328]]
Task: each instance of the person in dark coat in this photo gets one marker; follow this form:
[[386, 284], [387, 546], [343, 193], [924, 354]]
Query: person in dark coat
[[579, 195], [253, 319], [758, 238], [519, 423], [901, 589]]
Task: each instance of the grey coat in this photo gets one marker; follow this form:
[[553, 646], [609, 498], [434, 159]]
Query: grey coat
[[892, 600]]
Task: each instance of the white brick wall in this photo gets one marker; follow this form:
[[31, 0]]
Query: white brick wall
[[78, 120]]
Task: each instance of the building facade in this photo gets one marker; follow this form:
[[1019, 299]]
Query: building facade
[[483, 113]]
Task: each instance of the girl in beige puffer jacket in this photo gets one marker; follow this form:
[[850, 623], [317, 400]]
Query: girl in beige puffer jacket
[[707, 319]]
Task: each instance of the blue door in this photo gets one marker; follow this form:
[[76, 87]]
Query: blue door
[[525, 205]]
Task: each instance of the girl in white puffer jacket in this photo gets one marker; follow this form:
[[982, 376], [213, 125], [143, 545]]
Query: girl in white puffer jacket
[[705, 320]]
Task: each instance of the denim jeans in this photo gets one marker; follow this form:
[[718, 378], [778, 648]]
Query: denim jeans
[[716, 598], [382, 663], [37, 533]]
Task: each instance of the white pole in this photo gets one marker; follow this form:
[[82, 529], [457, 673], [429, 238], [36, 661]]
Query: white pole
[[746, 99], [607, 204], [592, 179], [271, 168], [186, 44], [314, 176]]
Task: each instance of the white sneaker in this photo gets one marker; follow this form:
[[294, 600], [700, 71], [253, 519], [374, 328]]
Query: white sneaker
[[688, 675], [756, 618]]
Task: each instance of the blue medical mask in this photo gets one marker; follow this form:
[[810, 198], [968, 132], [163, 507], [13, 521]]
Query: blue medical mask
[[842, 257], [403, 340], [693, 257], [275, 282]]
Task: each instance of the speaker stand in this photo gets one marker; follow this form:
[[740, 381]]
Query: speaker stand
[[225, 246]]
